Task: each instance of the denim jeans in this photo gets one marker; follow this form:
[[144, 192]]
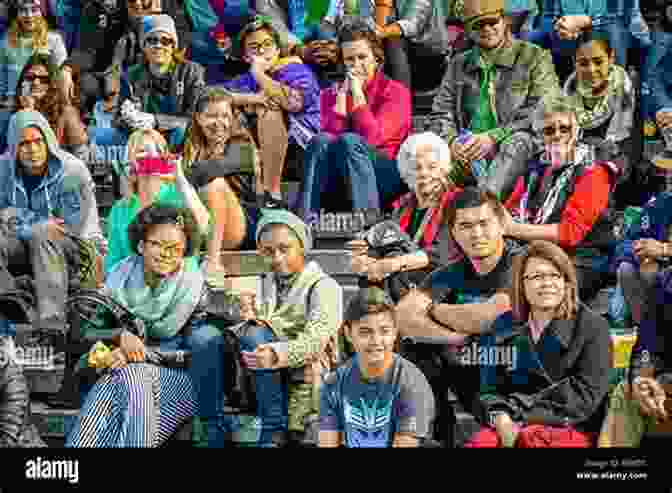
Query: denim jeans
[[372, 180], [271, 390]]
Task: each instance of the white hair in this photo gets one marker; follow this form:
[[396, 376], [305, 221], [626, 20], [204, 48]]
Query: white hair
[[409, 149]]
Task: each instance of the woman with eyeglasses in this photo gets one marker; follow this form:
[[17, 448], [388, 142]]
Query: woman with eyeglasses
[[221, 161], [605, 100], [161, 92], [128, 399], [547, 369], [27, 35], [41, 88], [281, 96], [565, 196], [365, 119]]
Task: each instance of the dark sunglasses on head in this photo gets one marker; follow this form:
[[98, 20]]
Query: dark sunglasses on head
[[564, 130], [44, 79], [491, 22], [154, 41]]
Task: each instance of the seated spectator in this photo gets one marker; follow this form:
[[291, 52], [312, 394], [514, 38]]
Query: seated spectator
[[28, 34], [364, 121], [463, 298], [166, 85], [565, 197], [375, 381], [486, 120], [130, 48], [413, 34], [42, 89], [640, 403], [282, 98], [559, 369], [302, 308], [645, 251], [137, 403], [425, 165], [16, 428], [214, 25], [219, 160], [155, 178], [561, 23], [52, 193], [605, 101]]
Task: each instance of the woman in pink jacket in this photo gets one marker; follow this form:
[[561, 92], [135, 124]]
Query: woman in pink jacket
[[364, 121]]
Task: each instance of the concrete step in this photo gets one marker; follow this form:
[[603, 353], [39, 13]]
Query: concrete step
[[52, 424]]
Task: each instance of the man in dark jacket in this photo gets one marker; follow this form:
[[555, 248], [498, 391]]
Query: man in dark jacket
[[166, 85], [483, 106]]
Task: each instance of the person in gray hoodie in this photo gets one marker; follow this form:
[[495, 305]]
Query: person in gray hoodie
[[56, 234]]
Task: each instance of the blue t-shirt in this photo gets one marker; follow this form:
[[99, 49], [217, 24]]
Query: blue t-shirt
[[369, 413]]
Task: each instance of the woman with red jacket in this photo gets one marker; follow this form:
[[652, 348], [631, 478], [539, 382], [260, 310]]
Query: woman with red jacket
[[565, 197], [364, 121]]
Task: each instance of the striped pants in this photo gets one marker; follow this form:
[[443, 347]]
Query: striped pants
[[141, 405]]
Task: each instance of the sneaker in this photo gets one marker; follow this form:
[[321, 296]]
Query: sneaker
[[267, 201]]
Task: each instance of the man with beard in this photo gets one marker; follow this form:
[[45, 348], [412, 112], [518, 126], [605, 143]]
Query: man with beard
[[56, 216], [482, 108], [465, 297]]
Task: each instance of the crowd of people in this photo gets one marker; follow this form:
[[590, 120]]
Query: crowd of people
[[498, 230]]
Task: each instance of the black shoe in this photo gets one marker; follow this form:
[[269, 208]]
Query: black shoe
[[267, 201]]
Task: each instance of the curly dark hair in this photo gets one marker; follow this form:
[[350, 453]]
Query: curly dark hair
[[161, 213], [259, 23], [356, 30]]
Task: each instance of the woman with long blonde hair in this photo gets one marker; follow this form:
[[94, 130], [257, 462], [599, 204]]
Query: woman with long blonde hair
[[153, 176], [28, 34]]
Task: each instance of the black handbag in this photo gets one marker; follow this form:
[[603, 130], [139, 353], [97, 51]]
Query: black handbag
[[385, 240], [239, 382], [94, 314]]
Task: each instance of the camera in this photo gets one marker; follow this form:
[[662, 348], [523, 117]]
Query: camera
[[657, 14]]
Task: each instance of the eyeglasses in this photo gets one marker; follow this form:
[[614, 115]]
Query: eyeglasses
[[270, 252], [140, 3], [44, 79], [269, 44], [153, 41], [169, 248], [551, 131], [541, 277], [486, 22]]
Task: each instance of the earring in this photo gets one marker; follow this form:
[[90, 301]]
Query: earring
[[141, 247]]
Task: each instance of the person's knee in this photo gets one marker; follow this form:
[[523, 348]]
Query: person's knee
[[205, 337], [518, 144], [256, 335], [350, 141]]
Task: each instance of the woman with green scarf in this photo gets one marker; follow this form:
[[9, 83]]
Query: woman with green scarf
[[604, 98], [135, 403]]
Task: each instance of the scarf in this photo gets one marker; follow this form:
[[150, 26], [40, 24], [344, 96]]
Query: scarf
[[287, 318], [433, 218], [164, 309], [486, 116], [558, 187], [594, 111]]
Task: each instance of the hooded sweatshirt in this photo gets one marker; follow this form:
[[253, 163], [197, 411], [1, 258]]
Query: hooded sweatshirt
[[66, 191]]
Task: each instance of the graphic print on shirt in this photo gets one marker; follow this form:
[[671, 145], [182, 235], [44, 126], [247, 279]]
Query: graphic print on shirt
[[368, 425]]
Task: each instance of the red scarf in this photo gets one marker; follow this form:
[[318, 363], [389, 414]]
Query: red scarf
[[409, 202]]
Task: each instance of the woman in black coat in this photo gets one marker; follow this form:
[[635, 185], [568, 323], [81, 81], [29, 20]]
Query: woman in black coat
[[545, 374]]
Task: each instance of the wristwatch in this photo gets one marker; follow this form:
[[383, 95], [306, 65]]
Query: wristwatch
[[492, 417]]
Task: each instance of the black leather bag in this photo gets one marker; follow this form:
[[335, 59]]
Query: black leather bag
[[239, 383], [386, 239], [98, 317]]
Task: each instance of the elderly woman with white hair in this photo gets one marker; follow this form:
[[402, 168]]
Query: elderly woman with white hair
[[425, 165]]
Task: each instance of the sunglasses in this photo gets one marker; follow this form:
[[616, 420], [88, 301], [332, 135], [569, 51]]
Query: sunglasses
[[269, 44], [153, 41], [563, 129], [44, 79], [486, 22]]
